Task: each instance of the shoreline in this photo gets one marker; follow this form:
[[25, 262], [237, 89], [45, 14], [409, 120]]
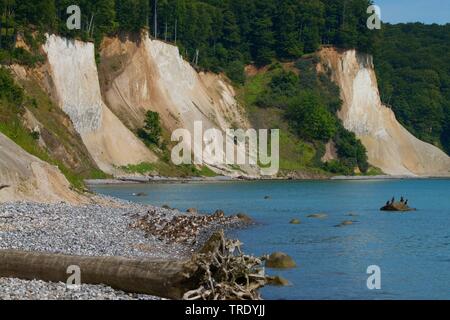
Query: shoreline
[[169, 180]]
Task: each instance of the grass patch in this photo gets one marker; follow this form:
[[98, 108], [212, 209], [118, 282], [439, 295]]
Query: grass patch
[[253, 88], [374, 171], [142, 168], [169, 170], [206, 172]]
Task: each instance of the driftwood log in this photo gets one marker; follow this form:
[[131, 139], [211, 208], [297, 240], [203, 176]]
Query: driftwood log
[[168, 279], [216, 272], [4, 186]]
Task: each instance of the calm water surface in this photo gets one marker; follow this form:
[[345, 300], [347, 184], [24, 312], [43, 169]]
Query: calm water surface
[[412, 249]]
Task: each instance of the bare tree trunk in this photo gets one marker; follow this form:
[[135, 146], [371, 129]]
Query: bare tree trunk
[[90, 24], [167, 279], [1, 29], [176, 26], [165, 34], [218, 271], [7, 16], [156, 19]]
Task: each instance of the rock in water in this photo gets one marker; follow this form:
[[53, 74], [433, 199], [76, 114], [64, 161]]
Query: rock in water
[[398, 206], [295, 221], [279, 281], [219, 214], [244, 218], [280, 260]]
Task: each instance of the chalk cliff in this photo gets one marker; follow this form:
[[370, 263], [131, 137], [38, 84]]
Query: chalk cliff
[[74, 77], [30, 179], [144, 74], [390, 146]]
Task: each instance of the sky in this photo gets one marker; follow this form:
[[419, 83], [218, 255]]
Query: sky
[[426, 11]]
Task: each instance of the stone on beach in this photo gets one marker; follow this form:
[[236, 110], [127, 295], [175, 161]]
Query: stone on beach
[[192, 211]]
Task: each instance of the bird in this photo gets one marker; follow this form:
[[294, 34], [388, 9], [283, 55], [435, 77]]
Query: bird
[[4, 186]]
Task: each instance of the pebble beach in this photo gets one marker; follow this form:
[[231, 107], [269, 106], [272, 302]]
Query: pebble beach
[[93, 230]]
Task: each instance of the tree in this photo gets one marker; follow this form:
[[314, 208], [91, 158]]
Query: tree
[[350, 150], [262, 36], [287, 31], [151, 132], [310, 117], [104, 16], [313, 19], [413, 71], [132, 15]]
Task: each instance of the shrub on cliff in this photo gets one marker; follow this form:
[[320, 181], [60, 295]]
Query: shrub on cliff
[[151, 132], [309, 116]]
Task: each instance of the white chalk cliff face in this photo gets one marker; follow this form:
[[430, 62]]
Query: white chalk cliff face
[[390, 146], [31, 179], [154, 76], [73, 72]]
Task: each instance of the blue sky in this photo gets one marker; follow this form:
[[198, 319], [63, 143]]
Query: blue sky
[[426, 11]]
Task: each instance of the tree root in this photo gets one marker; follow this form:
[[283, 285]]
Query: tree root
[[225, 273], [182, 229]]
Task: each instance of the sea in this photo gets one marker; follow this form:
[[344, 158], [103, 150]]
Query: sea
[[382, 255]]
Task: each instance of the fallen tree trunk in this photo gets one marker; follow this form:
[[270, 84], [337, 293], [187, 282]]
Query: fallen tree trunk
[[218, 271], [167, 279]]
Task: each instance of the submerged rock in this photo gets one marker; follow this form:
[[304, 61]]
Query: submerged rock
[[139, 194], [280, 260], [318, 216], [346, 223], [295, 221]]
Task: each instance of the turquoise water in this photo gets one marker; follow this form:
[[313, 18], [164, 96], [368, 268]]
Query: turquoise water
[[412, 249]]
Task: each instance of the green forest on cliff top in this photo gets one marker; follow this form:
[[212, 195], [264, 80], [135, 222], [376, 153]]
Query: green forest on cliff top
[[412, 60]]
